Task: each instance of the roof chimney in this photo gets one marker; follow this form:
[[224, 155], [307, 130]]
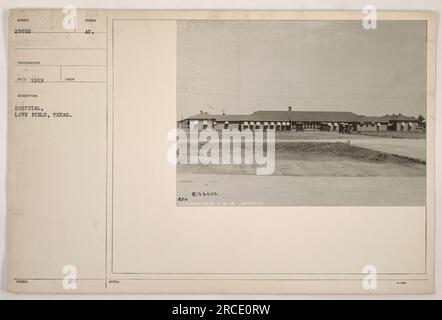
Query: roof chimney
[[290, 108]]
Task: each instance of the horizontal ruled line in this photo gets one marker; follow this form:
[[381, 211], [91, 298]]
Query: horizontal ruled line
[[217, 279], [60, 82], [61, 65], [24, 48], [73, 32]]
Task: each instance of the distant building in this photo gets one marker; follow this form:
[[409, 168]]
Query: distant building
[[302, 121]]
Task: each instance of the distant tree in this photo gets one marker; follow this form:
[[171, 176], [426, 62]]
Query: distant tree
[[422, 123]]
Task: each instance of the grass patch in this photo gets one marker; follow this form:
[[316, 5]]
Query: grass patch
[[395, 134], [320, 150]]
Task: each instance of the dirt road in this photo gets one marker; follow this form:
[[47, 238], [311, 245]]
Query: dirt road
[[301, 191], [413, 148]]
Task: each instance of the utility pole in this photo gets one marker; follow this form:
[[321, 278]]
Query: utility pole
[[210, 108]]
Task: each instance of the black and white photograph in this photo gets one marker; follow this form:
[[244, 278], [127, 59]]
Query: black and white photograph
[[221, 152], [301, 113]]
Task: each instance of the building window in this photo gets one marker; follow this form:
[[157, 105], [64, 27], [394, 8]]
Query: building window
[[311, 125]]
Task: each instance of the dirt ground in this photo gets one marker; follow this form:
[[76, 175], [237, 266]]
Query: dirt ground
[[244, 190], [299, 135], [316, 172], [395, 134], [328, 159], [314, 135], [412, 148]]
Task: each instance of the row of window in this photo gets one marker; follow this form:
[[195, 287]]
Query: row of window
[[311, 125]]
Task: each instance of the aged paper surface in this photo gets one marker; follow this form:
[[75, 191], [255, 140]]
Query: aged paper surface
[[98, 97]]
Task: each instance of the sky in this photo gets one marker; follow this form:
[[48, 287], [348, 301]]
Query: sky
[[239, 67]]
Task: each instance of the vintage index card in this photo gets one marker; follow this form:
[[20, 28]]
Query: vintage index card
[[220, 152]]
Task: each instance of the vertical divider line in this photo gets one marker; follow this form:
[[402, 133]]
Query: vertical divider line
[[107, 155], [112, 146]]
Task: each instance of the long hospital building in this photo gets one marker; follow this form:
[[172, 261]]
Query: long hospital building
[[302, 121]]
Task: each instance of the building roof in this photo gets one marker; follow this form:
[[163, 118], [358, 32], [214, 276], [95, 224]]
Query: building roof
[[325, 116], [399, 117], [301, 116], [372, 119], [271, 116], [219, 117], [231, 117], [387, 118]]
